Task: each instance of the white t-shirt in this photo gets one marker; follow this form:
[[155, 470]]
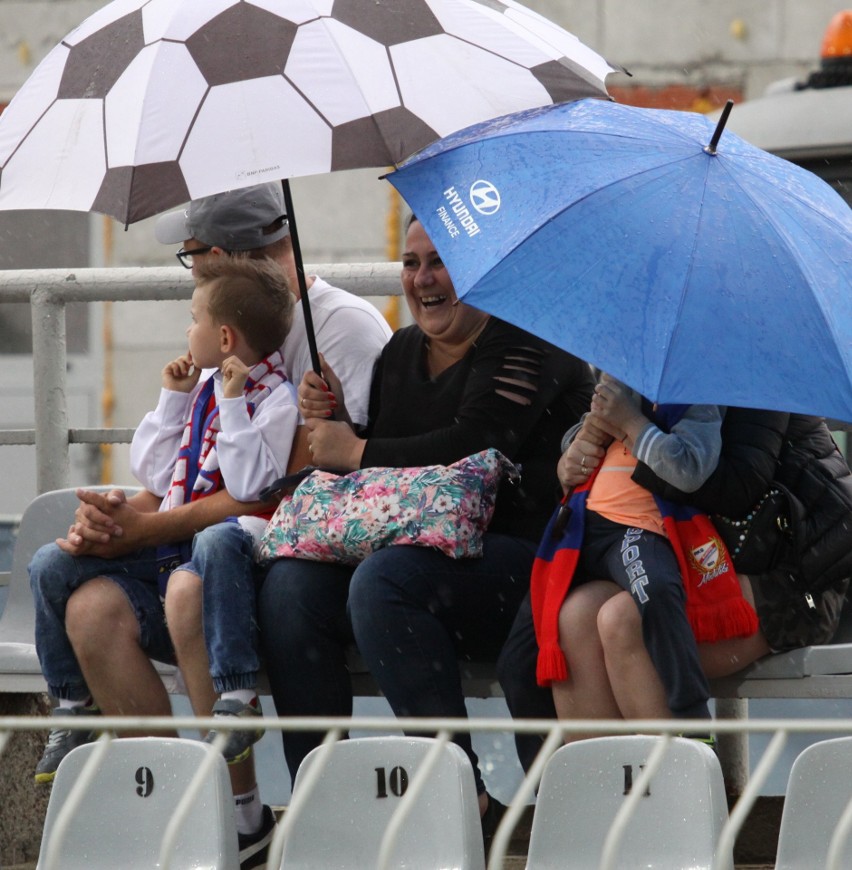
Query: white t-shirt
[[350, 334]]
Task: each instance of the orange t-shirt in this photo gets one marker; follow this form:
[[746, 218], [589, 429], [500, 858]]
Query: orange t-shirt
[[617, 497]]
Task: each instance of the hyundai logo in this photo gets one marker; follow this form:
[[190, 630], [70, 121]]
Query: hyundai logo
[[484, 196]]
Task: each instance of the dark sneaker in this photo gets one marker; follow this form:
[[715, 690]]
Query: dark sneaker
[[239, 743], [62, 740], [491, 821], [254, 848]]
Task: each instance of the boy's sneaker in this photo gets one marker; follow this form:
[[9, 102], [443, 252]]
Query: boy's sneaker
[[238, 746], [254, 848], [62, 740]]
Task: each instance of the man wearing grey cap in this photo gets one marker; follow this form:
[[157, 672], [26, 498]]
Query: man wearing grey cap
[[350, 332], [106, 633]]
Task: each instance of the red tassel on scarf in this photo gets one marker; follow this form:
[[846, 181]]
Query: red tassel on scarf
[[715, 605], [553, 569]]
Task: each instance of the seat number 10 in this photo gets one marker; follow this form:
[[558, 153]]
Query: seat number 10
[[395, 782]]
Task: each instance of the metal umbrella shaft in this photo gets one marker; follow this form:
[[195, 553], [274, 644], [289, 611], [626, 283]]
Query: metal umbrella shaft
[[300, 275]]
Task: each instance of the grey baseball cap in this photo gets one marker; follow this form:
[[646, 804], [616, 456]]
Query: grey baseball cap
[[234, 220]]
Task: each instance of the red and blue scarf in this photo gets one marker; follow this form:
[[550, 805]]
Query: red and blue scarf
[[715, 606], [197, 473]]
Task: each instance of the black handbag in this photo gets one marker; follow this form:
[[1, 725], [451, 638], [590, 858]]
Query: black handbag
[[757, 540]]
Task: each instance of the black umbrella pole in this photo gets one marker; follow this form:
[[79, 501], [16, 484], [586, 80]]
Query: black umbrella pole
[[300, 275], [720, 126]]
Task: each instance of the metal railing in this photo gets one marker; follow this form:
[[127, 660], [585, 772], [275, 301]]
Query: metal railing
[[554, 734], [48, 291]]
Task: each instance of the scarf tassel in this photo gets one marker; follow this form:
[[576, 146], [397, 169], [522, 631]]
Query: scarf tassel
[[551, 666], [723, 619]]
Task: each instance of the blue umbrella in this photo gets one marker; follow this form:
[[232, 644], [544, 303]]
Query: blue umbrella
[[688, 263]]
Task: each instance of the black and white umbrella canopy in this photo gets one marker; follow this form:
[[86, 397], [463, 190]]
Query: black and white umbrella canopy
[[151, 103]]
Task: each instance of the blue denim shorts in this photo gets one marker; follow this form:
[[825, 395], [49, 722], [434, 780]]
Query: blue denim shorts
[[143, 594]]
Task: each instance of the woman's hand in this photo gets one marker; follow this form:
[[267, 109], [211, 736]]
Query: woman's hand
[[322, 397], [616, 408], [333, 444], [583, 456]]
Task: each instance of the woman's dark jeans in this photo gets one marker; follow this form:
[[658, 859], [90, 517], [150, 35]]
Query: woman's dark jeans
[[414, 612]]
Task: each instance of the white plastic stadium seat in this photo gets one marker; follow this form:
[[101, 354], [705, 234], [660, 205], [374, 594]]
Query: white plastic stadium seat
[[818, 790], [122, 818], [343, 818], [47, 517], [676, 824]]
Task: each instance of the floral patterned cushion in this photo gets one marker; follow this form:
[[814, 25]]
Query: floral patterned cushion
[[331, 518]]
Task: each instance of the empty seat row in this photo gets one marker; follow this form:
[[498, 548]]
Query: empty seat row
[[410, 802]]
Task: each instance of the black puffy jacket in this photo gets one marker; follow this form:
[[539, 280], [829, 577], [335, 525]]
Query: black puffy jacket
[[798, 452]]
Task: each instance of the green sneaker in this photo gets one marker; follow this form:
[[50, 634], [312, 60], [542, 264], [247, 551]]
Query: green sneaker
[[62, 740], [239, 743], [709, 740]]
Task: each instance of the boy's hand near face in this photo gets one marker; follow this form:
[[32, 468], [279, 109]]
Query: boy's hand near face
[[180, 375], [234, 376]]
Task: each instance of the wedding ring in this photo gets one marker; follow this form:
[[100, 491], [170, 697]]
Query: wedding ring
[[311, 449], [302, 402], [583, 462]]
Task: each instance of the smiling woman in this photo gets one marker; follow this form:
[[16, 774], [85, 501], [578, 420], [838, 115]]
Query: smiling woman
[[450, 328], [454, 383]]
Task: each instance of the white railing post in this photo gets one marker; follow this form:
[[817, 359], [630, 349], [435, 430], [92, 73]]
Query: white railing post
[[49, 381], [733, 747]]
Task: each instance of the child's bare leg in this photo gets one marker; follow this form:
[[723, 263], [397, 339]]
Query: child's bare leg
[[183, 616], [637, 688], [587, 693]]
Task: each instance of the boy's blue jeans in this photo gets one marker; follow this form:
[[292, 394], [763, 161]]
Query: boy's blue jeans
[[222, 555]]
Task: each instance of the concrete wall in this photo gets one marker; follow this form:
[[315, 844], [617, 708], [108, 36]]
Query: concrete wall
[[747, 42]]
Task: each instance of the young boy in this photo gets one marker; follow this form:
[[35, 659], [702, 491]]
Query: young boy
[[231, 429]]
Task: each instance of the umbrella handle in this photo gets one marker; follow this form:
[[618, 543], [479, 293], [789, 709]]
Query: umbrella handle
[[562, 517], [300, 275]]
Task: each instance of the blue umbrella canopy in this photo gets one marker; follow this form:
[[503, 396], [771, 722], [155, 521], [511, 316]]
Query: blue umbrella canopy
[[694, 273]]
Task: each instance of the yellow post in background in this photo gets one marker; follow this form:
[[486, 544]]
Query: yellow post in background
[[393, 251], [108, 394]]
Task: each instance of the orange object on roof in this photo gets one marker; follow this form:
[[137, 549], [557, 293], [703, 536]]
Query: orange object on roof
[[837, 41]]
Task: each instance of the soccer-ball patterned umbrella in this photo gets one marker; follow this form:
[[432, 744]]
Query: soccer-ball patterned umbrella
[[151, 103]]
